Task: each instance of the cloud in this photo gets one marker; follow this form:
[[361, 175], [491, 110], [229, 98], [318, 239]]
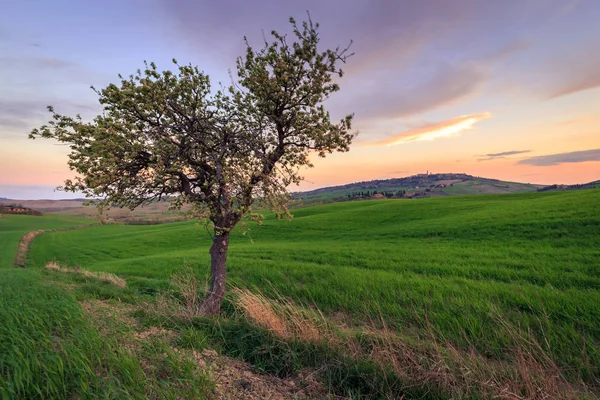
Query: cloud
[[449, 85], [561, 158], [22, 115], [411, 56], [47, 70], [18, 114], [495, 156], [588, 80], [508, 153], [448, 128], [425, 87], [35, 62], [574, 72]]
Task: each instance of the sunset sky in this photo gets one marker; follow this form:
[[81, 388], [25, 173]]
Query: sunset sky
[[500, 89]]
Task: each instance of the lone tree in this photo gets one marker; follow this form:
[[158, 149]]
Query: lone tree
[[168, 135]]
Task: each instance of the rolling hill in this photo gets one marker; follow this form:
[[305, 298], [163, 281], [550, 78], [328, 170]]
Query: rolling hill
[[422, 185]]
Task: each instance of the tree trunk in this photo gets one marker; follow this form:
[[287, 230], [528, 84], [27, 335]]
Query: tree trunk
[[218, 275]]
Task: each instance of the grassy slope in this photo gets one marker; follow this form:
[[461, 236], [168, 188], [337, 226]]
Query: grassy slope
[[13, 227], [531, 257], [48, 349]]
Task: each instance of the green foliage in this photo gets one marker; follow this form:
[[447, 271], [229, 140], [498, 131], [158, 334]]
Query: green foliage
[[453, 261], [168, 134]]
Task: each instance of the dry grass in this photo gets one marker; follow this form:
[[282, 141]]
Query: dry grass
[[185, 300], [282, 317], [428, 362], [425, 361], [102, 276], [260, 310], [186, 284]]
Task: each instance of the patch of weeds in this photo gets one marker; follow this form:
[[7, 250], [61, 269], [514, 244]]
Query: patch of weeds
[[190, 338], [88, 290]]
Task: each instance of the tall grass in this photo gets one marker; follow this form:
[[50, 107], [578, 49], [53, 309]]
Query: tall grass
[[286, 338], [48, 350]]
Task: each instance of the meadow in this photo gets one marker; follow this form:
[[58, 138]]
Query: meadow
[[489, 277], [460, 267]]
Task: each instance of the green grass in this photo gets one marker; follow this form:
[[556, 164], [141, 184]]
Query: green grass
[[13, 227], [455, 262], [50, 349]]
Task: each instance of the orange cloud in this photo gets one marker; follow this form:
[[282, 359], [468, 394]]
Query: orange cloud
[[448, 128]]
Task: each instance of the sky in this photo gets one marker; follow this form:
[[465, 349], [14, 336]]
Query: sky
[[499, 89]]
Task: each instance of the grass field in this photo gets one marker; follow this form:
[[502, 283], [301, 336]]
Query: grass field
[[458, 266], [13, 227]]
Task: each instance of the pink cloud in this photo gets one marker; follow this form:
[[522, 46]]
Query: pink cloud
[[444, 129]]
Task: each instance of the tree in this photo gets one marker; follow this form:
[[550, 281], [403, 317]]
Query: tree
[[168, 135]]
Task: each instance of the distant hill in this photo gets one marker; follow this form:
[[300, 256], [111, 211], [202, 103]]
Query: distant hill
[[422, 185], [554, 188]]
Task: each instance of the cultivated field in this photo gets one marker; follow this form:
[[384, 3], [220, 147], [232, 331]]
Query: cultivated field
[[152, 213], [449, 297]]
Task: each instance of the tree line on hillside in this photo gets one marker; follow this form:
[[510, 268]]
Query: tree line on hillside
[[375, 193], [577, 186]]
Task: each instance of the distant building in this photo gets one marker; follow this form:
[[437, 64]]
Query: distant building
[[18, 209]]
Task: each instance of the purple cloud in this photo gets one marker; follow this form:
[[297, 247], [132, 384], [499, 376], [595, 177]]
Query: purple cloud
[[561, 158]]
